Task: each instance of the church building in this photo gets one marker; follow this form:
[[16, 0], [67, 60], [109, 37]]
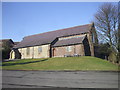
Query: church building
[[73, 41]]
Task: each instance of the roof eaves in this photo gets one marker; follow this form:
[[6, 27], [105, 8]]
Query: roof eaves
[[66, 45], [30, 45]]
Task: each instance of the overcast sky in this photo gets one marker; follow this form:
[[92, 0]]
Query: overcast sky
[[21, 19]]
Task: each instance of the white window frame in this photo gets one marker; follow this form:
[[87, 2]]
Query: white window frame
[[69, 48], [39, 50]]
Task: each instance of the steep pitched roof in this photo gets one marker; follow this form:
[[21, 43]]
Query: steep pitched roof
[[8, 42], [48, 37], [5, 40], [71, 41]]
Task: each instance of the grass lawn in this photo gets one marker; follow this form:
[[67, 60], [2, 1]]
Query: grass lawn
[[68, 63]]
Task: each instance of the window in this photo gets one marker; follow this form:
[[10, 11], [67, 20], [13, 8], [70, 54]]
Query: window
[[28, 51], [69, 48], [93, 38], [39, 50]]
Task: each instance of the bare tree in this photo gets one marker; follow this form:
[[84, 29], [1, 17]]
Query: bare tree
[[119, 32], [106, 22]]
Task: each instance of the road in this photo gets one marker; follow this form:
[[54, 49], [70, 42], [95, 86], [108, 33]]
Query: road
[[68, 79]]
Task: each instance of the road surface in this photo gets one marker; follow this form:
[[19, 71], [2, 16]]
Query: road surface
[[68, 79]]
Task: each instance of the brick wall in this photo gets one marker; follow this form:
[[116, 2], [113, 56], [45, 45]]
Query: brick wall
[[61, 51]]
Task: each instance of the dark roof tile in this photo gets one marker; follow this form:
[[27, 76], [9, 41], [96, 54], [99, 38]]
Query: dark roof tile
[[48, 37], [69, 41]]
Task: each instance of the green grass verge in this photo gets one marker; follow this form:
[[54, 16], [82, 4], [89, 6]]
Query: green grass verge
[[68, 63]]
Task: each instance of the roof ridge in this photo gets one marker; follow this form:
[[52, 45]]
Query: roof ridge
[[57, 30]]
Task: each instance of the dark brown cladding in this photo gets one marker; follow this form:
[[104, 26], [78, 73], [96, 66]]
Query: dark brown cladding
[[48, 37]]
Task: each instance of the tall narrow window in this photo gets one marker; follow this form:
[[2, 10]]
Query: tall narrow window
[[93, 38], [39, 50], [28, 51], [69, 48]]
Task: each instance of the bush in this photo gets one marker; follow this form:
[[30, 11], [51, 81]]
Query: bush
[[102, 50], [112, 58], [5, 53]]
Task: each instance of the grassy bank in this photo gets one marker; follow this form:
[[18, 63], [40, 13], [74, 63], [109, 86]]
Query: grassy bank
[[68, 63]]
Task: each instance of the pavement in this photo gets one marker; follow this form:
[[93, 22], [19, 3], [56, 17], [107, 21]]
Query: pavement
[[61, 79]]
